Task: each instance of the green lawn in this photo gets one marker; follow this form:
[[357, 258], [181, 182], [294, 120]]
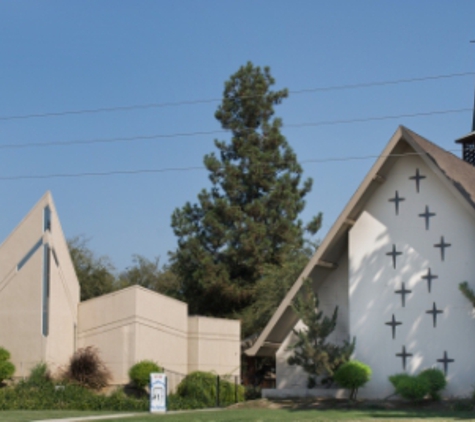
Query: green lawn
[[35, 415], [255, 415]]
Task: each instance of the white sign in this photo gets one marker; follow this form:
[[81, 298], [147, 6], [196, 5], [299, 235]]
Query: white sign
[[158, 392]]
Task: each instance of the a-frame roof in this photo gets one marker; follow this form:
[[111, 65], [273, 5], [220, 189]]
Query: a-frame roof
[[455, 173]]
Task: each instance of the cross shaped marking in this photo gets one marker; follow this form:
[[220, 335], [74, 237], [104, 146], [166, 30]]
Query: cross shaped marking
[[403, 293], [418, 177], [445, 360], [429, 277], [427, 215], [404, 356], [393, 323], [396, 201], [442, 245], [394, 254], [434, 311]]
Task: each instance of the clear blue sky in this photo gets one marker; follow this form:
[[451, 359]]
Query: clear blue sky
[[73, 55]]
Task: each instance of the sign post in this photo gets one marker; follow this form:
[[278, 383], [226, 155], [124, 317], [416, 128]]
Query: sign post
[[158, 392]]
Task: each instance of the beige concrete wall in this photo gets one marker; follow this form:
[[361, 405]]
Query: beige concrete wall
[[134, 324], [214, 345], [21, 294]]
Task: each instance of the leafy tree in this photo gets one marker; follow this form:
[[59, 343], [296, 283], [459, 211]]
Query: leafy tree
[[311, 350], [353, 375], [147, 273], [95, 274], [249, 219], [467, 292]]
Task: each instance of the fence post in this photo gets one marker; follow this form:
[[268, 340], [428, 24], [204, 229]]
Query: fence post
[[235, 389], [217, 390]]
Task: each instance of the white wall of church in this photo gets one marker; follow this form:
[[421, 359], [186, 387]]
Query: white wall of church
[[373, 281], [332, 291]]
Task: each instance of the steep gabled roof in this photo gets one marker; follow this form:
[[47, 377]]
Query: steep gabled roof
[[455, 173]]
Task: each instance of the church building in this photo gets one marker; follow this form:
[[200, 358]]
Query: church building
[[43, 320], [392, 263]]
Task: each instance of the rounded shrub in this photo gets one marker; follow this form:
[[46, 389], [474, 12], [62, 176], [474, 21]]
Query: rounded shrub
[[139, 373], [7, 369], [352, 375], [412, 388], [4, 354], [395, 379], [436, 380]]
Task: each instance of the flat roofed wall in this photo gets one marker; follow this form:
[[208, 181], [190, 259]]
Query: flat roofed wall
[[214, 345], [134, 324]]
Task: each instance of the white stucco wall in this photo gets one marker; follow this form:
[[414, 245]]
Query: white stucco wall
[[332, 291], [373, 281]]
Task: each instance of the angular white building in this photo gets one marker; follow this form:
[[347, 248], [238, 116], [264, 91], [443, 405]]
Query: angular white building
[[392, 263], [43, 320]]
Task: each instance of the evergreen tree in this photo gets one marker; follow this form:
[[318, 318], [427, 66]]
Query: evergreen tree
[[248, 220], [311, 350]]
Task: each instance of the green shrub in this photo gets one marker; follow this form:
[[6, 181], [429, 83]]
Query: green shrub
[[395, 379], [4, 354], [436, 380], [412, 388], [39, 375], [139, 373], [86, 368], [352, 375], [201, 387], [7, 369]]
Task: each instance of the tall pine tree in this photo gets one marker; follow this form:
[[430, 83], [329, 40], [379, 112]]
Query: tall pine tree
[[249, 219]]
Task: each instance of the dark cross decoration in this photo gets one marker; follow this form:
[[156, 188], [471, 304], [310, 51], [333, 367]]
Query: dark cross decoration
[[403, 292], [404, 356], [394, 254], [445, 360], [434, 311], [427, 215], [396, 201], [429, 277], [393, 323], [442, 245], [418, 177]]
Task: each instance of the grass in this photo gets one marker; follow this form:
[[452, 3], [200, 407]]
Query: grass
[[256, 415], [36, 415]]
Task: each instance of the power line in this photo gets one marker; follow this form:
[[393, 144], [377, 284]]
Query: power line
[[215, 132], [212, 100], [191, 168]]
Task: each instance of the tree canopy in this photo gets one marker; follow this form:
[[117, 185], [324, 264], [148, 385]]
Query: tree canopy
[[248, 221]]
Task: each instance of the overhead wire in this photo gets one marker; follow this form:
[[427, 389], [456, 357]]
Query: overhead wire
[[212, 100], [190, 168], [216, 132]]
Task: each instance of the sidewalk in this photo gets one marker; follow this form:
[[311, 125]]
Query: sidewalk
[[91, 418]]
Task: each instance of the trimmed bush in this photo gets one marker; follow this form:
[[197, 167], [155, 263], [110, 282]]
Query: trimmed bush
[[139, 373], [7, 369], [201, 388], [395, 379], [352, 375], [86, 368], [436, 380], [412, 388]]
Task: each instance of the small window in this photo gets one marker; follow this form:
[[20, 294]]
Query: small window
[[47, 219], [29, 254]]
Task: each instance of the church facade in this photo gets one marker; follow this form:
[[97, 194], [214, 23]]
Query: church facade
[[43, 320], [392, 263]]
